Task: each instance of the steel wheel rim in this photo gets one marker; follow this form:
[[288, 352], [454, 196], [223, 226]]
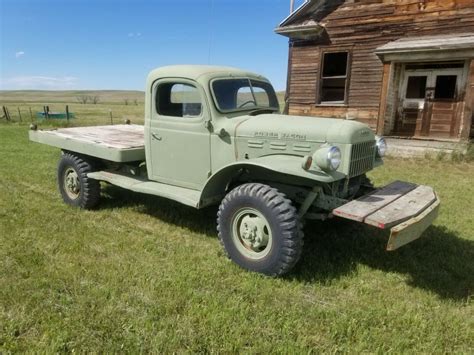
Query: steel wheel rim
[[71, 183], [251, 233]]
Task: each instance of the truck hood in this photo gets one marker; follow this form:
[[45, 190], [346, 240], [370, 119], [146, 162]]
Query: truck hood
[[302, 128]]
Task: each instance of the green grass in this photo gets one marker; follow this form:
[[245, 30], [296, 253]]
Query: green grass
[[145, 274]]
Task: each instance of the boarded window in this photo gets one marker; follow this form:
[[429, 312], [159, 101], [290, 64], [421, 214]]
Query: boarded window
[[334, 78]]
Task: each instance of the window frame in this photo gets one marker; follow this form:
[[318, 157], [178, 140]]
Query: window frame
[[183, 81], [347, 78]]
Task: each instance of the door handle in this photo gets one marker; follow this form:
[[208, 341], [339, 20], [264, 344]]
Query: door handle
[[157, 137]]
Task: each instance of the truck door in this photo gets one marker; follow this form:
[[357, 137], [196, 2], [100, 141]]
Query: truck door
[[179, 139]]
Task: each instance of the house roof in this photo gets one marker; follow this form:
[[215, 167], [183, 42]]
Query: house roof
[[301, 9], [303, 23]]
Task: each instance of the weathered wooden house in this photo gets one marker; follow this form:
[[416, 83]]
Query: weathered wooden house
[[405, 67]]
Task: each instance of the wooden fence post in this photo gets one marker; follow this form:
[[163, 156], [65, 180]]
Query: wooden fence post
[[19, 114], [111, 118], [5, 113], [67, 113], [31, 114]]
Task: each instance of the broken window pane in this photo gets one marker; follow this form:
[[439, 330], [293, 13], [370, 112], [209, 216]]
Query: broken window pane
[[416, 88], [333, 90], [445, 87], [335, 64]]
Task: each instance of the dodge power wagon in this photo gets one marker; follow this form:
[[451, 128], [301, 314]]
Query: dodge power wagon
[[214, 136]]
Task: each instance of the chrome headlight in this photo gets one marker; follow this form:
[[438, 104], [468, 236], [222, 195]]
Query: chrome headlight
[[328, 158], [381, 146]]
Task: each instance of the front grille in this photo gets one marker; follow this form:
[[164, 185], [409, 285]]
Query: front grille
[[362, 158]]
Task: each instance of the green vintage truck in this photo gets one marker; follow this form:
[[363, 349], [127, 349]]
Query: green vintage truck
[[214, 136]]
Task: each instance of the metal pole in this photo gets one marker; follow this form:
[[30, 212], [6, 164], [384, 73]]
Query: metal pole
[[292, 6], [67, 113]]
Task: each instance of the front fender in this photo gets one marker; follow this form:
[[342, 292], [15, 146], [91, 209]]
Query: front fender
[[278, 168]]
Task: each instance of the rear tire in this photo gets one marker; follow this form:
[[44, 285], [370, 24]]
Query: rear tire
[[259, 229], [75, 187]]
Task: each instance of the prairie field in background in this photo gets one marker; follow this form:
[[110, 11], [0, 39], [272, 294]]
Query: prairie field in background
[[141, 273]]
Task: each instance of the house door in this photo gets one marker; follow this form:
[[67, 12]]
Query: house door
[[428, 102]]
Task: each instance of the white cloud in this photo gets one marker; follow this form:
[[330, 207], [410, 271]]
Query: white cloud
[[19, 54], [39, 83], [134, 34], [131, 34]]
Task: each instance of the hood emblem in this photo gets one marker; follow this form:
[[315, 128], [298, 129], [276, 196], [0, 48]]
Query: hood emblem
[[276, 135]]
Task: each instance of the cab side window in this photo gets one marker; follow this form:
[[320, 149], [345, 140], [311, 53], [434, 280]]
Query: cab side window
[[178, 100]]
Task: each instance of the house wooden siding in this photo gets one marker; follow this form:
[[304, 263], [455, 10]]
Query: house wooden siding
[[360, 27]]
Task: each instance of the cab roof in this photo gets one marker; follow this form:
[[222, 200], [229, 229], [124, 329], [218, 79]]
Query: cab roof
[[196, 72]]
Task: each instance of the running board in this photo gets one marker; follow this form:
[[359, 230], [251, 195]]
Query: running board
[[183, 195]]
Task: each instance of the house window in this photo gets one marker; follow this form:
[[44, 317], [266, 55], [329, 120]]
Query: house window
[[334, 78]]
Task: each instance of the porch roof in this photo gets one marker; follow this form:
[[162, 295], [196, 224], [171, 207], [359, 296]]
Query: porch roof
[[455, 44]]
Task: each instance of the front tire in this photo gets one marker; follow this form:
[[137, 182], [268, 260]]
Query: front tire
[[259, 229], [75, 187]]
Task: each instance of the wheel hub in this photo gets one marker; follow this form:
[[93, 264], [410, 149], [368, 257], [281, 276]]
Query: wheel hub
[[252, 232], [71, 183]]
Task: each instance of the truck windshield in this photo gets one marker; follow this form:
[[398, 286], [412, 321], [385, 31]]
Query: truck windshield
[[243, 94]]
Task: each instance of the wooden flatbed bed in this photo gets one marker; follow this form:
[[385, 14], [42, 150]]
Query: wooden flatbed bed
[[117, 143]]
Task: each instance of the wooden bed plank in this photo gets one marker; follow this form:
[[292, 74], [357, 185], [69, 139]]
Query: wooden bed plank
[[364, 206], [402, 209], [117, 136]]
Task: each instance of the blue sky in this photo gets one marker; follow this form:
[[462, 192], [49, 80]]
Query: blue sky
[[113, 44]]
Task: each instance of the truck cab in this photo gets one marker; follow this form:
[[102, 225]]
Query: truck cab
[[192, 113], [214, 135]]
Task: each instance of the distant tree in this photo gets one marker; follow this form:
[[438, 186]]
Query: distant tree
[[94, 99], [83, 99], [135, 102], [126, 101]]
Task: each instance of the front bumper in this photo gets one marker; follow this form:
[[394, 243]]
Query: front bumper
[[407, 209]]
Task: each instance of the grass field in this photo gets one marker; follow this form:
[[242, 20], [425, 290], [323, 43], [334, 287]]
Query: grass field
[[145, 274]]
